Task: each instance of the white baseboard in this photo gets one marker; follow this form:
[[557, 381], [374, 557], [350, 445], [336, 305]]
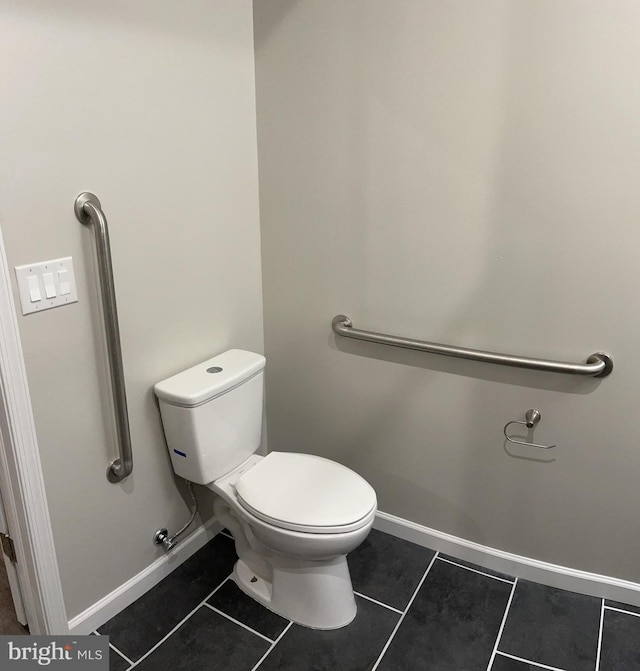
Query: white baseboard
[[121, 597], [511, 564], [505, 562]]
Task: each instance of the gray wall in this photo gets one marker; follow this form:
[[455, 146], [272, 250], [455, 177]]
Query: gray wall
[[466, 173], [152, 106]]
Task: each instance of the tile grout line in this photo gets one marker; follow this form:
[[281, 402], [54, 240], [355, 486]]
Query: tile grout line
[[620, 610], [406, 610], [273, 645], [600, 635], [184, 619], [504, 621], [540, 665], [384, 605], [468, 568], [232, 619], [126, 659]]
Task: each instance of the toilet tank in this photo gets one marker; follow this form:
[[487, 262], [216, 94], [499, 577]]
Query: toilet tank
[[212, 414]]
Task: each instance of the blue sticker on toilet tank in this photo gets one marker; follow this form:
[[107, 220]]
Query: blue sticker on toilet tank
[[182, 454]]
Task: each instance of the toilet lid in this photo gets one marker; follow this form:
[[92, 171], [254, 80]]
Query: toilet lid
[[305, 493]]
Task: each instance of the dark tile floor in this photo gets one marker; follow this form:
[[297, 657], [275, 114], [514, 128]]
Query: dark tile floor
[[417, 610]]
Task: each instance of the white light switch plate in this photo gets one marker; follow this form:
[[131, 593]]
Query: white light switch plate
[[48, 284]]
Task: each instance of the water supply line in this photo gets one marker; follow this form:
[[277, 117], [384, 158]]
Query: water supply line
[[162, 537]]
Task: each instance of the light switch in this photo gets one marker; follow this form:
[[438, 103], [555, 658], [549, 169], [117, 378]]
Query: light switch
[[48, 284], [34, 288], [63, 282]]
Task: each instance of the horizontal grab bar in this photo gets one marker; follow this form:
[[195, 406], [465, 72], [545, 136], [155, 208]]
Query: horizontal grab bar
[[597, 365]]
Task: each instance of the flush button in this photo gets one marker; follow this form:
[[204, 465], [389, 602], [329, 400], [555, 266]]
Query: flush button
[[214, 369]]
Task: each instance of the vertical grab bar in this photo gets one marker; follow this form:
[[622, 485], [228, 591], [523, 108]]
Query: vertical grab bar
[[89, 211]]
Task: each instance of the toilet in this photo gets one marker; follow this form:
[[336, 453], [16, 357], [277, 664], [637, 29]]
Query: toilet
[[294, 517]]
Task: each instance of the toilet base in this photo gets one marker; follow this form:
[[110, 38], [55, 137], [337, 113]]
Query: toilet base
[[318, 595]]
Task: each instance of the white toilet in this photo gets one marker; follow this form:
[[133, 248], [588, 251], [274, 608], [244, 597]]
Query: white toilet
[[294, 517]]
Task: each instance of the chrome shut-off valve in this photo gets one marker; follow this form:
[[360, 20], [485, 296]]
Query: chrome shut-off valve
[[161, 537]]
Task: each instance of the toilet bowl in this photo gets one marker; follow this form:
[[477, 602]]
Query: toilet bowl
[[295, 563], [294, 517]]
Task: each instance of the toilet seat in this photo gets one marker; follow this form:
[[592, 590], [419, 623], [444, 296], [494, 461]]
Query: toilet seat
[[306, 493]]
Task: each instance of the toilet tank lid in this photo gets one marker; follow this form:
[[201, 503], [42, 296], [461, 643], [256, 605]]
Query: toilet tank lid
[[209, 379]]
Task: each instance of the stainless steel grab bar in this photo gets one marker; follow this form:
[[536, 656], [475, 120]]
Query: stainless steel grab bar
[[89, 211], [597, 365]]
